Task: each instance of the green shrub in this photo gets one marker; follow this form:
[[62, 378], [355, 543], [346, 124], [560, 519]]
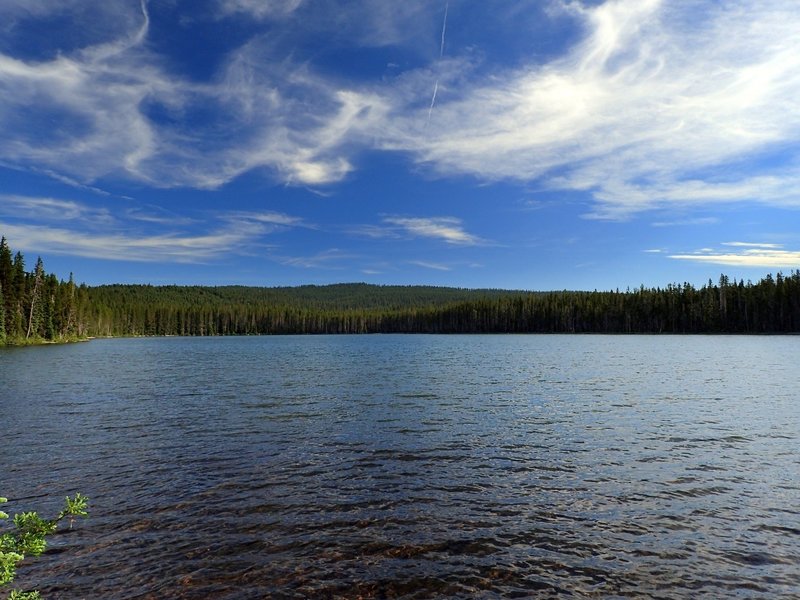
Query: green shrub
[[28, 538]]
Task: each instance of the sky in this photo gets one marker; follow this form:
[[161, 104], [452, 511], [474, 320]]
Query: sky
[[519, 144]]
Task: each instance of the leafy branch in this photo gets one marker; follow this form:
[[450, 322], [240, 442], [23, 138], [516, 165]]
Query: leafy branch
[[28, 538]]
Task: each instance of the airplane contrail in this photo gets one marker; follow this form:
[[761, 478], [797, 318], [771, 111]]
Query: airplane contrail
[[433, 101], [146, 25], [441, 54], [444, 29]]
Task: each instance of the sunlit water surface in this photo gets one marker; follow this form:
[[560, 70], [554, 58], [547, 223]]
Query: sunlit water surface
[[410, 466]]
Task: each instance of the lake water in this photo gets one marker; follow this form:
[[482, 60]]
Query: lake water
[[410, 466]]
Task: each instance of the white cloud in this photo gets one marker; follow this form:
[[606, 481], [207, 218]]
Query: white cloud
[[655, 94], [688, 221], [752, 245], [157, 215], [171, 247], [261, 9], [269, 217], [90, 114], [374, 232], [81, 113], [658, 104], [430, 265], [273, 116], [326, 259], [50, 209], [752, 255], [57, 226], [71, 182], [448, 229], [276, 218]]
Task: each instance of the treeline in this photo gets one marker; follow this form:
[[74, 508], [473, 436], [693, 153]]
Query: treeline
[[36, 306], [238, 310], [770, 306]]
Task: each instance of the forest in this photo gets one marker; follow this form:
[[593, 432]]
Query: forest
[[37, 307]]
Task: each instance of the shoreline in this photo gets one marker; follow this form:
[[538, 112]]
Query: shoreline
[[27, 344]]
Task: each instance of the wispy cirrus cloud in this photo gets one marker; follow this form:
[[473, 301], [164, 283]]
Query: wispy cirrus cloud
[[430, 265], [51, 209], [94, 95], [260, 9], [447, 229], [653, 107], [696, 221], [157, 216], [761, 246], [68, 227], [266, 217], [374, 232], [655, 104], [70, 181], [169, 247], [121, 112], [748, 255], [326, 259]]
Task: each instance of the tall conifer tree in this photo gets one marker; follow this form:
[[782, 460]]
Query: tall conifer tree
[[6, 275], [36, 312], [2, 317], [18, 289]]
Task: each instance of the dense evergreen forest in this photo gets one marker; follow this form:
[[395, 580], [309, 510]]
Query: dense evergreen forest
[[36, 306]]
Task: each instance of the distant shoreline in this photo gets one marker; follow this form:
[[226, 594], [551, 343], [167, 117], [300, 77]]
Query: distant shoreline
[[38, 343]]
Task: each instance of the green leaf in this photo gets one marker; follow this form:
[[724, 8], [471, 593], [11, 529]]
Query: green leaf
[[17, 595], [8, 566], [75, 507], [31, 532]]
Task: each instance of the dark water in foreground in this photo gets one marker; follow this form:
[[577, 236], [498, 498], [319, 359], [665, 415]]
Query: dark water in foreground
[[411, 466]]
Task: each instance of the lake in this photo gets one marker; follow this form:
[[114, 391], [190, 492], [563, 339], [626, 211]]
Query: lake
[[392, 466]]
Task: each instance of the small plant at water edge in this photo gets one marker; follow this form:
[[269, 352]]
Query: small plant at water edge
[[28, 538]]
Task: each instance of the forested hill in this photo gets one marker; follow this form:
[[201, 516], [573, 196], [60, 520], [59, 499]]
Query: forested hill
[[770, 306], [239, 310], [341, 296], [36, 306]]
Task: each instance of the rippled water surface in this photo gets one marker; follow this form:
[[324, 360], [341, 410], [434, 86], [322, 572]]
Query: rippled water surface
[[410, 466]]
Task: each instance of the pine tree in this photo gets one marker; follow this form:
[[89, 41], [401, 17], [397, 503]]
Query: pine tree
[[47, 328], [36, 313], [2, 318], [69, 327], [6, 275], [17, 290]]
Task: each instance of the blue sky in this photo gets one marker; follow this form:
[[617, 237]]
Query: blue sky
[[529, 144]]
